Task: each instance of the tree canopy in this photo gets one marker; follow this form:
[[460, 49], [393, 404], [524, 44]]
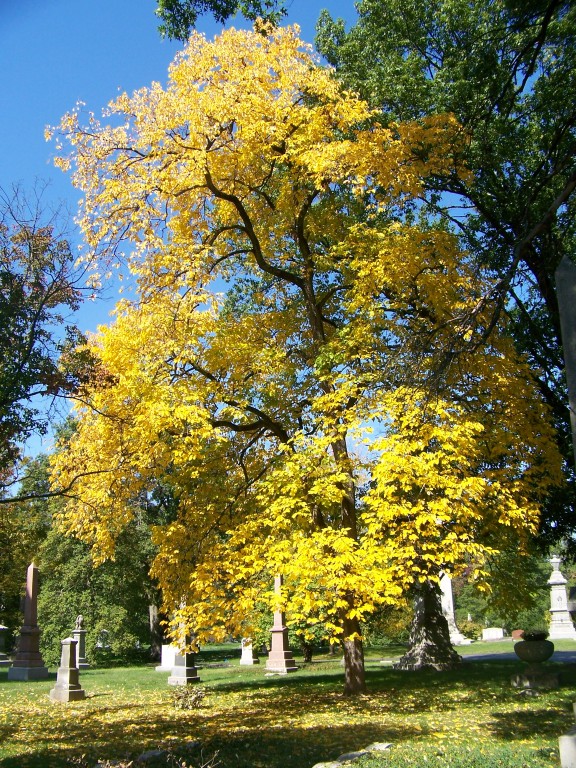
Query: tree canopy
[[39, 289], [288, 365], [178, 17], [507, 71]]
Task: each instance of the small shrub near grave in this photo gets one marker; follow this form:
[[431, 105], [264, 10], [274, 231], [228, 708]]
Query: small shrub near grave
[[187, 696]]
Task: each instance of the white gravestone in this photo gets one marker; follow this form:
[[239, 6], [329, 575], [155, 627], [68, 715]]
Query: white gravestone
[[167, 659], [493, 633], [447, 601], [561, 625], [249, 655]]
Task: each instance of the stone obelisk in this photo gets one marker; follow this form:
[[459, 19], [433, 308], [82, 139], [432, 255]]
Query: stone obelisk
[[280, 659], [28, 663]]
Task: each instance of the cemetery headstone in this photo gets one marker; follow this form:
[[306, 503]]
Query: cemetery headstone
[[4, 660], [280, 659], [493, 633], [79, 634], [184, 670], [447, 602], [28, 663], [167, 658], [249, 655], [68, 686], [561, 625]]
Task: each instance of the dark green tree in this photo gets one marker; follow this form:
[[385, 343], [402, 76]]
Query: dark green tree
[[23, 528], [178, 17], [507, 70], [114, 598]]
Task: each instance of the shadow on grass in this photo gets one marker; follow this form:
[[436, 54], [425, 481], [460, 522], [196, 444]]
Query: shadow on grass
[[269, 747]]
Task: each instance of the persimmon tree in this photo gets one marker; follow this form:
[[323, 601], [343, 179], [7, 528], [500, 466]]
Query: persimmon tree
[[288, 362]]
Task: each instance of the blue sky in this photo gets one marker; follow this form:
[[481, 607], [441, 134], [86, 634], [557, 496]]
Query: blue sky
[[54, 53]]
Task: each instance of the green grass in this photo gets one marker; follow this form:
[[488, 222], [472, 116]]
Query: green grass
[[468, 718]]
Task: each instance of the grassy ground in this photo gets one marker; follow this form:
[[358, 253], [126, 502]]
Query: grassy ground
[[469, 718]]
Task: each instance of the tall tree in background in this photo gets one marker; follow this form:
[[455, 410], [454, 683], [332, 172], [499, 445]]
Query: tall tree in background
[[39, 289], [507, 71], [289, 315]]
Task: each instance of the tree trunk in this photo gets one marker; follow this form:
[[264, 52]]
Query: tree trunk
[[429, 643], [354, 677], [307, 651], [156, 633]]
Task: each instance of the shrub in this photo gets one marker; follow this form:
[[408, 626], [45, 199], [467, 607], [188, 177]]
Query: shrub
[[187, 696]]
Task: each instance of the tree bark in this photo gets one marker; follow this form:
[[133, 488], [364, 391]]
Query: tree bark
[[429, 642], [156, 633], [354, 677]]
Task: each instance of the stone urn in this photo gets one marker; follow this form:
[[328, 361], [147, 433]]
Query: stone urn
[[534, 648]]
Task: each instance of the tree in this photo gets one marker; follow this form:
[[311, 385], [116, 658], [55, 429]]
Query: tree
[[113, 598], [179, 17], [289, 310], [38, 287], [23, 528], [507, 71]]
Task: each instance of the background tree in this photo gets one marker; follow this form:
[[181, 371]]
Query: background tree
[[507, 71], [39, 288], [113, 598], [179, 17], [253, 175], [23, 527]]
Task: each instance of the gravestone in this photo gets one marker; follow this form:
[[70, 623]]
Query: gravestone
[[280, 659], [447, 602], [167, 658], [4, 660], [249, 655], [68, 686], [561, 625], [183, 671], [28, 663], [493, 633], [79, 634]]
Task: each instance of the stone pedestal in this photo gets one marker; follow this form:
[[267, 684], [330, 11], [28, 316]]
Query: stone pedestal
[[80, 636], [67, 686], [561, 625], [280, 659], [183, 671], [249, 655], [4, 660], [28, 663], [447, 602]]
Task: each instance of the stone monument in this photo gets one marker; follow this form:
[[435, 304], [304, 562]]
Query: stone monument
[[280, 659], [249, 655], [28, 663], [184, 670], [79, 634], [4, 660], [67, 686], [447, 601], [561, 625], [168, 654]]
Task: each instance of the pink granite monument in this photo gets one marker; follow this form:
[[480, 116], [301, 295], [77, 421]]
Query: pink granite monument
[[28, 663], [280, 659]]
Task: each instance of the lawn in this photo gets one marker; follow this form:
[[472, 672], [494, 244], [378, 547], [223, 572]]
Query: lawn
[[470, 718]]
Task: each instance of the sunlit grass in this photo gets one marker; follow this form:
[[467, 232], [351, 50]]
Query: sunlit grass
[[467, 718]]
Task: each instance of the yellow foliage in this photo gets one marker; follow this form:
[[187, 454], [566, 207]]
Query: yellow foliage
[[272, 370]]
